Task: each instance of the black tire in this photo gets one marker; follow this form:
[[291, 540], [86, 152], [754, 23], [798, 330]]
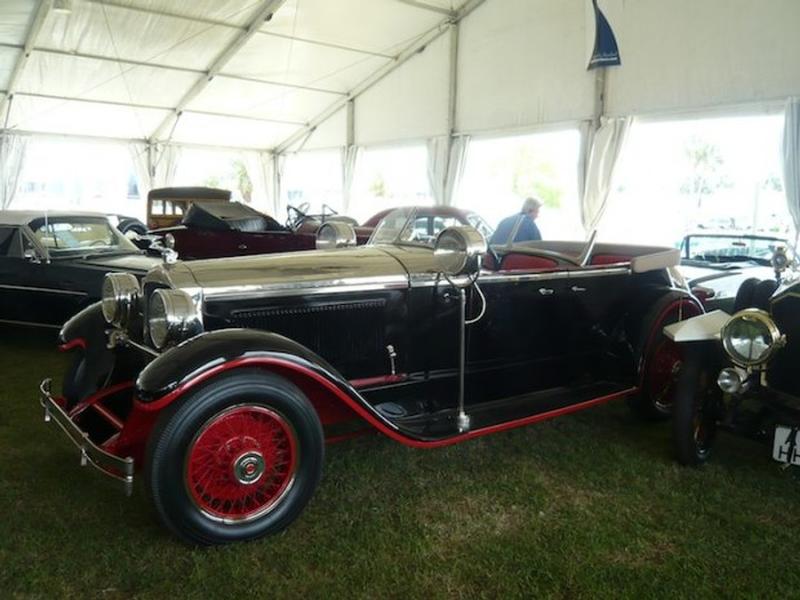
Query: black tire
[[696, 408], [179, 431], [132, 225], [74, 388], [763, 293], [744, 295]]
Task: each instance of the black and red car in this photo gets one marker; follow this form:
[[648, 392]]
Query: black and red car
[[222, 380]]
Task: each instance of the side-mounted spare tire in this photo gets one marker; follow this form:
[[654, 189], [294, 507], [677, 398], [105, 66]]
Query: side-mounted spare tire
[[234, 460]]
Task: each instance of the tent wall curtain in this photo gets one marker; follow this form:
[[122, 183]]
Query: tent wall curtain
[[446, 159], [165, 164], [259, 170], [604, 149], [140, 155], [12, 160], [350, 156], [791, 161]]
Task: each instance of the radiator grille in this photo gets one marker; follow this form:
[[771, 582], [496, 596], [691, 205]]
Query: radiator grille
[[350, 333]]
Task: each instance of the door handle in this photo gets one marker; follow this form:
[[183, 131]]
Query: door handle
[[547, 291], [578, 289], [242, 246]]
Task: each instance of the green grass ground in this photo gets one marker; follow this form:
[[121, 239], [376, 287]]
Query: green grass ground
[[590, 505]]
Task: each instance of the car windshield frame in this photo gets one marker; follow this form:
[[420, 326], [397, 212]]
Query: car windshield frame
[[118, 243], [706, 258]]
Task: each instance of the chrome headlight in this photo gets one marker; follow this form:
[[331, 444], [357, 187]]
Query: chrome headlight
[[172, 317], [120, 298], [750, 337]]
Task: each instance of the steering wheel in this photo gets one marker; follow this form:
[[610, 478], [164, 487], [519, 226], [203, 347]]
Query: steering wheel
[[296, 215]]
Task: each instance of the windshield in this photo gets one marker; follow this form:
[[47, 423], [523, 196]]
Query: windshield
[[79, 235], [724, 248], [420, 226]]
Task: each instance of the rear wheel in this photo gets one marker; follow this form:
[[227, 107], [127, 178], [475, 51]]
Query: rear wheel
[[696, 410], [662, 359], [235, 460]]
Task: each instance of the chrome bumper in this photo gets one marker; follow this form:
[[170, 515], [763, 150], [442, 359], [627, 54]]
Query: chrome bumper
[[91, 454]]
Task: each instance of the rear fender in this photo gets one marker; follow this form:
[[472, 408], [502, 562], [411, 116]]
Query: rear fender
[[650, 310]]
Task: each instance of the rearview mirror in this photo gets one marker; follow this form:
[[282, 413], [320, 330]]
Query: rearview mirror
[[335, 234], [458, 251]]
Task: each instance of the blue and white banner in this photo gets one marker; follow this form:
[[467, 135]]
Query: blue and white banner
[[606, 51]]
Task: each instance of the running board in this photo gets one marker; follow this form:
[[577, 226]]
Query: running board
[[505, 413]]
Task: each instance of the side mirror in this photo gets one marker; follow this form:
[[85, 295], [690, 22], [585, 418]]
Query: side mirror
[[32, 256], [458, 251], [335, 234]]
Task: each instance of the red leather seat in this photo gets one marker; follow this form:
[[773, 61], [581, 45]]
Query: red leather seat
[[609, 259], [525, 262]]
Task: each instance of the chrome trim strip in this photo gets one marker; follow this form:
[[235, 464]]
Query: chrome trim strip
[[327, 287], [90, 453], [29, 324], [38, 289]]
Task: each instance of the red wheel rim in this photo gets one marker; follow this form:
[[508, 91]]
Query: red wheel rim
[[663, 371], [241, 463]]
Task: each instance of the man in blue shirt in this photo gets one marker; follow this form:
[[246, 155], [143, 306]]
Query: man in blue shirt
[[525, 231]]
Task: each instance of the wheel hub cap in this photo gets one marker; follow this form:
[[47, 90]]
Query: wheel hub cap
[[249, 468]]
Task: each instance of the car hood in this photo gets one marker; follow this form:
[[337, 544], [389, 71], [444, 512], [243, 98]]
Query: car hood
[[133, 262], [292, 273]]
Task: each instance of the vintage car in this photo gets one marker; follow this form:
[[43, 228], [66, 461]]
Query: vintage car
[[739, 372], [167, 206], [52, 265], [222, 380], [235, 229], [716, 265]]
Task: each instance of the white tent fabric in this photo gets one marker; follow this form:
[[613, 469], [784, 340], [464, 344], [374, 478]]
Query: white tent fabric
[[12, 161], [259, 169], [791, 161], [140, 156], [446, 159], [606, 146], [165, 165], [350, 156]]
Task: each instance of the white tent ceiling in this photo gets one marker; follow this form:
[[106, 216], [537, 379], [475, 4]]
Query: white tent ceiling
[[124, 68]]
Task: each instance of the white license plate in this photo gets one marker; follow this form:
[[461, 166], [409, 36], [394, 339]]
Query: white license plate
[[786, 447]]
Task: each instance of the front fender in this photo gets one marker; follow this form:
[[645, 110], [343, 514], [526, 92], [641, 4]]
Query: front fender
[[703, 328], [203, 353], [85, 329]]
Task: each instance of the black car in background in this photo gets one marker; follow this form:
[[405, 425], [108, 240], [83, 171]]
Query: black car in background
[[52, 265]]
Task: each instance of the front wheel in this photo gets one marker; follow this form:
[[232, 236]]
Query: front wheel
[[235, 460], [695, 410]]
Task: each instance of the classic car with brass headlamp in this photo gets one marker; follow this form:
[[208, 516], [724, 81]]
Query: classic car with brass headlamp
[[738, 372], [221, 381]]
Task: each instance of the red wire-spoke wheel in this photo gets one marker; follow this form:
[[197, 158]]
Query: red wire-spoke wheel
[[662, 373], [235, 459], [241, 463], [662, 357]]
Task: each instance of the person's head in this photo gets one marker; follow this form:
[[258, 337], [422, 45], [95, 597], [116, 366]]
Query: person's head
[[531, 207]]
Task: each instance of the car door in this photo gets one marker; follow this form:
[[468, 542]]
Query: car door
[[35, 290]]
